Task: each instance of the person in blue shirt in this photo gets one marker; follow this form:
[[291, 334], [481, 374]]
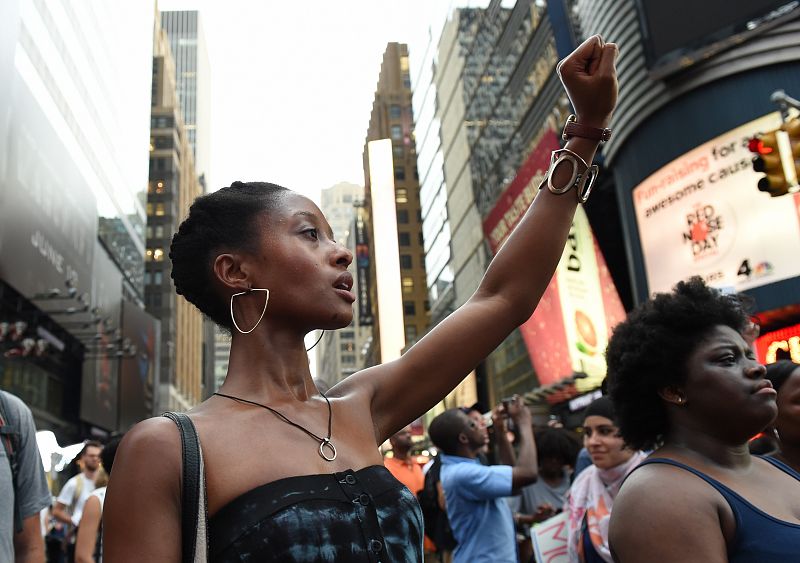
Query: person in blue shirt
[[474, 493]]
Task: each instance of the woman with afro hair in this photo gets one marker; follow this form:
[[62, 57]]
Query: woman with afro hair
[[685, 382], [288, 473]]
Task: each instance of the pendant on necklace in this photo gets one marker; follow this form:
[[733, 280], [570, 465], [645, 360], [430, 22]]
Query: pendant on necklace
[[326, 443]]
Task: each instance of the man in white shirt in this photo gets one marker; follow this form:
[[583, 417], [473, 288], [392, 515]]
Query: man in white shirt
[[69, 504]]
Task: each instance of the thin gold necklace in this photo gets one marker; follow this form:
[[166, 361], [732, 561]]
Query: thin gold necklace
[[325, 444]]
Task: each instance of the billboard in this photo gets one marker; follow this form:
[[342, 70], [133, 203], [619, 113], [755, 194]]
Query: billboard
[[672, 41], [362, 270], [100, 375], [569, 329], [702, 215], [138, 364]]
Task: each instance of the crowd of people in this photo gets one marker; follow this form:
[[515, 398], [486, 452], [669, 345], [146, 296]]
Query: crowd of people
[[272, 469], [35, 525]]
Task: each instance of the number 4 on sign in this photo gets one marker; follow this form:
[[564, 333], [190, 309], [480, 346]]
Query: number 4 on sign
[[744, 269]]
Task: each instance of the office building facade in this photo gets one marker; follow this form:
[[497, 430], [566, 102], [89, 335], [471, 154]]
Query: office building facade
[[392, 118], [172, 186], [75, 343]]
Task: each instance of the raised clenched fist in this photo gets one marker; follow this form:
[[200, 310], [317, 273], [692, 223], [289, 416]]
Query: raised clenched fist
[[589, 76]]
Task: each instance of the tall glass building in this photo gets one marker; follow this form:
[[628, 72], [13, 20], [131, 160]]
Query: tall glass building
[[192, 76], [74, 117]]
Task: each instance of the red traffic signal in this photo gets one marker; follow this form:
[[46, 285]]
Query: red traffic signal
[[757, 146]]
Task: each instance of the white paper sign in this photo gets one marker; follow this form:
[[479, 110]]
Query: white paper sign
[[550, 540], [702, 214]]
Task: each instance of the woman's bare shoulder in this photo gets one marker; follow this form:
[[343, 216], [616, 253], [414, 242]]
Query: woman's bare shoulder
[[151, 448]]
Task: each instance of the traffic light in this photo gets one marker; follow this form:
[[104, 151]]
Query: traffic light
[[778, 157]]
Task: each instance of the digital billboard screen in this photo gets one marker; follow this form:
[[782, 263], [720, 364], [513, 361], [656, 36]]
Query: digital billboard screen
[[680, 33]]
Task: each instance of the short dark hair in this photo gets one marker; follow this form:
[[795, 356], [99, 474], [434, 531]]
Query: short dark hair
[[221, 219], [89, 444], [445, 428], [648, 352], [557, 443], [109, 452]]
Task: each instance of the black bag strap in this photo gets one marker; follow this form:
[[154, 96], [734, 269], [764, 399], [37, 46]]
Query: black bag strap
[[10, 438], [193, 493]]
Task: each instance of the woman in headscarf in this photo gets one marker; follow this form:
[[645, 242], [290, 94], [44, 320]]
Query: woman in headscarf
[[591, 497]]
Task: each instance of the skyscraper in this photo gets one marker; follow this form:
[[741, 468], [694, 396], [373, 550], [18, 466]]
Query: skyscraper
[[392, 118], [74, 105], [192, 76], [172, 186]]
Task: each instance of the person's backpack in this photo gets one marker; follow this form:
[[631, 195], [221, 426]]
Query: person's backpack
[[9, 435], [437, 525]]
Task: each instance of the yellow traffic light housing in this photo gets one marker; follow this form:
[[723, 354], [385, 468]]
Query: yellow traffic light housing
[[778, 158]]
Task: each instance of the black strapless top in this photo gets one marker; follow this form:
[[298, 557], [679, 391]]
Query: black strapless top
[[352, 516]]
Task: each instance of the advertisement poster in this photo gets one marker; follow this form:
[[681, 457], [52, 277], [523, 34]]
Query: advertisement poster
[[569, 329], [702, 215]]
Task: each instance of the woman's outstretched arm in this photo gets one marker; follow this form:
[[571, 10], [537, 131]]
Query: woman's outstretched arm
[[516, 278]]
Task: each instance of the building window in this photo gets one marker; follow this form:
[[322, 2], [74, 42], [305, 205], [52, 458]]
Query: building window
[[148, 278], [348, 347], [405, 261], [399, 173], [149, 232], [348, 359], [398, 151], [411, 333], [347, 335], [404, 239], [148, 255], [149, 209], [408, 285], [397, 133], [427, 305], [401, 195], [395, 112], [160, 209], [159, 231], [158, 277], [409, 308], [421, 239], [402, 216], [158, 254]]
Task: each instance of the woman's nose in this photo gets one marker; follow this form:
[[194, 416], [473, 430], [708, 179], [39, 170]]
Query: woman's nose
[[757, 370], [342, 255]]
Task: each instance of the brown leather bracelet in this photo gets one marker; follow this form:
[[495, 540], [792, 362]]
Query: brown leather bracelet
[[574, 129]]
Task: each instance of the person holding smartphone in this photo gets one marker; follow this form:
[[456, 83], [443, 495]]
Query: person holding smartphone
[[475, 494]]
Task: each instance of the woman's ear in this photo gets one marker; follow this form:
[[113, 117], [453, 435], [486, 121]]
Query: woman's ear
[[674, 395], [230, 271]]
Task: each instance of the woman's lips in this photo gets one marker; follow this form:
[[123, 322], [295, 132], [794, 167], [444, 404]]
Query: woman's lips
[[346, 295]]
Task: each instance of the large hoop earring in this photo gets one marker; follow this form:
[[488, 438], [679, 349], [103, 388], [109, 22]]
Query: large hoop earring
[[317, 342], [266, 300]]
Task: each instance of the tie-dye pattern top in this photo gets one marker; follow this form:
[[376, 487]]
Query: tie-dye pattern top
[[351, 516]]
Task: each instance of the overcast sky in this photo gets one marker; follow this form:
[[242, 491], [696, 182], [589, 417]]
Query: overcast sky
[[293, 82]]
